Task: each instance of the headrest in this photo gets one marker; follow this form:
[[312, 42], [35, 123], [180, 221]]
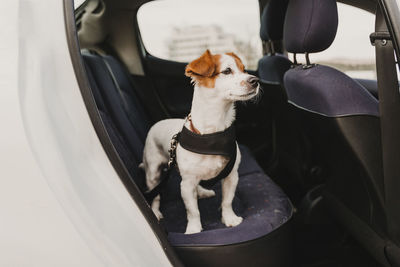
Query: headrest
[[310, 25], [272, 19]]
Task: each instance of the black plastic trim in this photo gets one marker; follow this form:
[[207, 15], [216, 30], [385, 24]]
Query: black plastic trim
[[274, 249], [392, 15], [363, 233], [101, 132]]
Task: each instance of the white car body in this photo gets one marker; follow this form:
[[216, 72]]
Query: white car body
[[61, 201]]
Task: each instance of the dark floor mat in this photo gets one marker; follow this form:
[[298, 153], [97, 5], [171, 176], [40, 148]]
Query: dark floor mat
[[329, 246]]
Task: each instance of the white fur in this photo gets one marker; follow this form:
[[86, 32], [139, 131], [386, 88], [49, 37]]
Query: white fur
[[212, 110]]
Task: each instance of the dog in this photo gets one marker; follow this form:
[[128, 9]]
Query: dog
[[219, 81]]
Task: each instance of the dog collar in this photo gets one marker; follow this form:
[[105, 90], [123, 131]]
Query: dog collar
[[191, 125]]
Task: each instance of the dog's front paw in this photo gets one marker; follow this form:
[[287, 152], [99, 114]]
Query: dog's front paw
[[231, 220], [193, 228]]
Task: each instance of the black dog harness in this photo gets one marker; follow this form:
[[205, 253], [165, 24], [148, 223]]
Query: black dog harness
[[219, 143]]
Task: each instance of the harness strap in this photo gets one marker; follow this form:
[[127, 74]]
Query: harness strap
[[151, 194], [224, 173], [220, 143]]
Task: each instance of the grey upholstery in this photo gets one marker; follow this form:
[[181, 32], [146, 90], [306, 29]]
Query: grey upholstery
[[329, 92], [272, 68], [273, 65], [310, 25], [272, 20]]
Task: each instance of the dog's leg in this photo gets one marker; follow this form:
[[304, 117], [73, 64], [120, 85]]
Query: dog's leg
[[229, 218], [153, 173], [189, 196], [155, 206], [204, 193]]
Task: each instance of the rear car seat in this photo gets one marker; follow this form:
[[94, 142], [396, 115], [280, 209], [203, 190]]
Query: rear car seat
[[264, 236]]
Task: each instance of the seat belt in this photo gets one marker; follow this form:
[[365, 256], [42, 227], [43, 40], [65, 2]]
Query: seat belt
[[389, 109]]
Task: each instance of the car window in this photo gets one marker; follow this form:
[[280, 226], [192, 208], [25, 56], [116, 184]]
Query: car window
[[181, 30], [351, 52]]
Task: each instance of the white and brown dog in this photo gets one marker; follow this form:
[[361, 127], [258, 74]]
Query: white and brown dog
[[219, 81]]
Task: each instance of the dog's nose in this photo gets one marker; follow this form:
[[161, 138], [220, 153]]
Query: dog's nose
[[253, 81]]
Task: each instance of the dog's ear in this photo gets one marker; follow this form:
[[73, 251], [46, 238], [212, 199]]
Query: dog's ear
[[238, 61], [204, 66]]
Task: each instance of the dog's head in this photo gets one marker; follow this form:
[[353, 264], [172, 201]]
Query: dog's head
[[225, 74]]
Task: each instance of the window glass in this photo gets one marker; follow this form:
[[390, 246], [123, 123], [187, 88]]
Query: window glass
[[181, 30], [351, 52], [77, 3]]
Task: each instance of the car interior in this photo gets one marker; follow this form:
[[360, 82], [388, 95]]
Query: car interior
[[311, 189]]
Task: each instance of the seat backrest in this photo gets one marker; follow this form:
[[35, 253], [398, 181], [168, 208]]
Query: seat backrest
[[122, 114], [273, 65], [339, 117]]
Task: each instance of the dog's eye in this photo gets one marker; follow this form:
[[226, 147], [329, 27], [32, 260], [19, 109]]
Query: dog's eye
[[227, 71]]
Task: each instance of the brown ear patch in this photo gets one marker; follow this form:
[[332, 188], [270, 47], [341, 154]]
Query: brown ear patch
[[238, 61], [204, 70], [203, 66]]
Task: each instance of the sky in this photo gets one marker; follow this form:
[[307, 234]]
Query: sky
[[241, 17]]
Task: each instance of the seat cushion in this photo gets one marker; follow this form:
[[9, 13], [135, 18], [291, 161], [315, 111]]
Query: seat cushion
[[261, 203]]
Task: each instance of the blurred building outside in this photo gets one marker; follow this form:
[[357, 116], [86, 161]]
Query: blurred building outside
[[189, 42]]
